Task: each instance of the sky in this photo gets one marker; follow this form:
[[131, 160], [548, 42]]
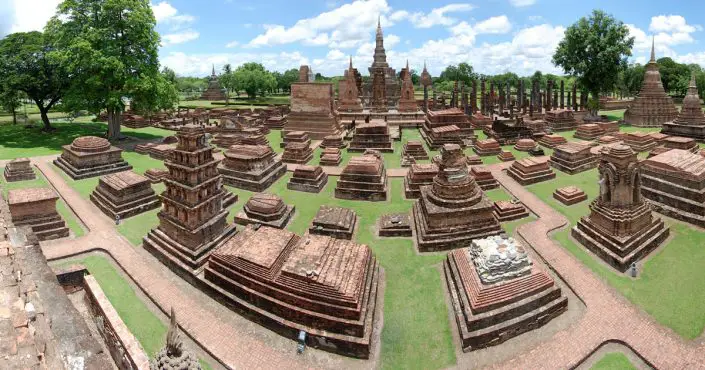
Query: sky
[[494, 36]]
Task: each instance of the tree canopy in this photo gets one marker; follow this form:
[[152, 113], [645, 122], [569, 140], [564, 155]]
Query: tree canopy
[[253, 79], [462, 72], [595, 51]]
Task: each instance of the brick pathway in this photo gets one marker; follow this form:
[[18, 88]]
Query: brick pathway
[[609, 316]]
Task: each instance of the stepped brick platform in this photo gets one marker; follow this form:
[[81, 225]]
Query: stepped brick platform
[[436, 137], [331, 157], [251, 167], [124, 194], [525, 145], [297, 153], [608, 139], [589, 131], [336, 222], [560, 120], [674, 184], [487, 147], [19, 169], [675, 142], [313, 110], [505, 156], [484, 178], [691, 120], [658, 136], [640, 141], [160, 150], [620, 228], [275, 122], [333, 141], [192, 221], [35, 208], [537, 126], [310, 179], [609, 127], [479, 121], [573, 158], [473, 160], [451, 117], [506, 211], [415, 149], [295, 137], [652, 106], [453, 210], [531, 170], [569, 195], [323, 286], [497, 292], [394, 225], [507, 131], [407, 161], [265, 209], [364, 178], [419, 175], [371, 135], [156, 175], [91, 156], [551, 141]]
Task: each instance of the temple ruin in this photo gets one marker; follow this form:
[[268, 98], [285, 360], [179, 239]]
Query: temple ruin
[[124, 194], [91, 156], [336, 222], [251, 167], [573, 158], [35, 209], [19, 169], [691, 120], [531, 170], [265, 209], [363, 178], [310, 179]]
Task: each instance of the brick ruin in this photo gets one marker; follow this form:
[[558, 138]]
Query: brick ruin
[[498, 292], [213, 91], [91, 156], [525, 145], [552, 140], [300, 137], [156, 175], [560, 120], [324, 286], [479, 120], [487, 147], [419, 175], [691, 120], [453, 210], [569, 195], [441, 127], [620, 228], [675, 142], [371, 135], [363, 178], [407, 100], [531, 170], [331, 157], [251, 167], [297, 153], [394, 225], [265, 209], [414, 149], [473, 160], [19, 169], [608, 139], [639, 141], [589, 131], [310, 179], [333, 141], [159, 150], [124, 194], [336, 222], [506, 211], [652, 106], [192, 220], [508, 131], [505, 156], [313, 110], [35, 209], [275, 122], [674, 184], [348, 91], [573, 158], [484, 178]]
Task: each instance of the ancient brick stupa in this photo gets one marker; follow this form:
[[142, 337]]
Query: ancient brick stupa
[[652, 107], [251, 167], [214, 91], [124, 194], [35, 208], [348, 93], [691, 120], [573, 158], [407, 101], [19, 169], [174, 356], [371, 135], [313, 109], [90, 156], [364, 178], [192, 220], [453, 210], [324, 286], [498, 292], [265, 209], [620, 228]]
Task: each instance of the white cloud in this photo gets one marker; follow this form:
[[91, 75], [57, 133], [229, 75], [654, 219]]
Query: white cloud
[[670, 24], [335, 54], [29, 15], [522, 3], [232, 44], [179, 37], [498, 24], [390, 41], [692, 58], [163, 11], [435, 17]]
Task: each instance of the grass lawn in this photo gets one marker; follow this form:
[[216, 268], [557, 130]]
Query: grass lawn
[[144, 325], [613, 361], [671, 283], [40, 182]]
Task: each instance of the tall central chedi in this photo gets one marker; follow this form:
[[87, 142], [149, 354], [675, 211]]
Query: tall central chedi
[[620, 228], [384, 90], [652, 107], [192, 220]]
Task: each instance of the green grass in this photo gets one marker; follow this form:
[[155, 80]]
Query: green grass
[[142, 323], [672, 281], [40, 182], [613, 361]]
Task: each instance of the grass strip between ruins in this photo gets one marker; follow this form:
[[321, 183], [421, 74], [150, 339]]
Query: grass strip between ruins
[[671, 282], [613, 361], [40, 182], [147, 328]]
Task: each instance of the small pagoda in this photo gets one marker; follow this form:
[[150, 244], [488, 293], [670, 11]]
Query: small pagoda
[[691, 120], [348, 93], [652, 107], [214, 91], [407, 101], [192, 220]]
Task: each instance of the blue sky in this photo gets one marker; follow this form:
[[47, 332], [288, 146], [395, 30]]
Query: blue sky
[[495, 36]]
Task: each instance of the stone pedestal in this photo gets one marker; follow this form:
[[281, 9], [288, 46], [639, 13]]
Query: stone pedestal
[[573, 158], [589, 131], [531, 170], [275, 122], [35, 208], [569, 195], [473, 160], [156, 175], [505, 156], [330, 157], [364, 178], [300, 137], [333, 141], [372, 135], [251, 167], [297, 153], [560, 120], [415, 149], [691, 120], [394, 225], [335, 222], [419, 175], [551, 141], [487, 147], [19, 169], [91, 156], [484, 178], [265, 209], [309, 179], [525, 145], [639, 141], [124, 194], [506, 211]]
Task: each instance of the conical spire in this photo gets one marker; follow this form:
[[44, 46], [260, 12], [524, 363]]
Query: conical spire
[[173, 340], [407, 66], [692, 86], [213, 73], [653, 53], [350, 66]]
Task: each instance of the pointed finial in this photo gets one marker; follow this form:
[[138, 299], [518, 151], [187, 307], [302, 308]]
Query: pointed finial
[[379, 21], [351, 62], [692, 80], [174, 345], [407, 65], [653, 53], [213, 73]]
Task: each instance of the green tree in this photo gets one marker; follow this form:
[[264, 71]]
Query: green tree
[[111, 46], [10, 101], [154, 94], [169, 74], [253, 79], [462, 72], [29, 63], [595, 50], [287, 78], [674, 76]]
